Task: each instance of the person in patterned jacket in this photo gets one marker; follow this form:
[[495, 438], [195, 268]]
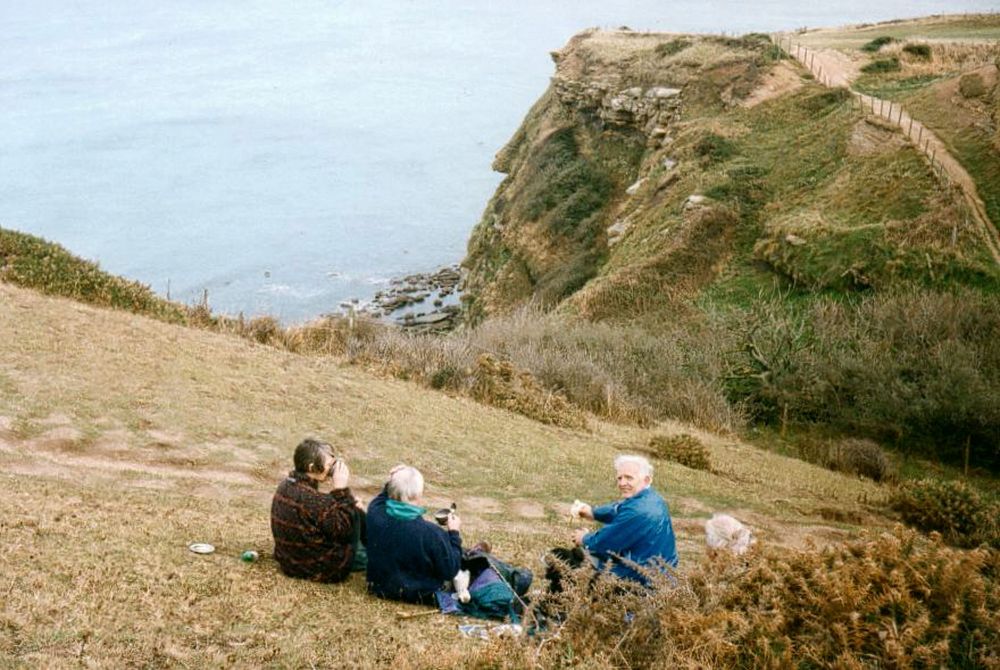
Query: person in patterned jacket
[[317, 536]]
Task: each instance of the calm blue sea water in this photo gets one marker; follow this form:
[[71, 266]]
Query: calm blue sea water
[[286, 156]]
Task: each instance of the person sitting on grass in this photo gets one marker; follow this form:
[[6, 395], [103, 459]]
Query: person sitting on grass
[[409, 558], [317, 536], [637, 528]]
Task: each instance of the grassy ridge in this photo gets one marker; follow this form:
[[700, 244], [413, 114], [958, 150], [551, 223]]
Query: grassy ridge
[[27, 260]]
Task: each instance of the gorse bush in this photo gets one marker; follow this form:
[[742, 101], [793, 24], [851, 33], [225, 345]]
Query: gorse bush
[[893, 600], [684, 449], [500, 384], [971, 85], [952, 508]]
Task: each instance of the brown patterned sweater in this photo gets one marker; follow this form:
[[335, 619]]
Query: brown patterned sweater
[[312, 530]]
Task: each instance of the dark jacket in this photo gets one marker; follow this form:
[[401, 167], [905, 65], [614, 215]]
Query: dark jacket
[[409, 559], [637, 529], [313, 531]]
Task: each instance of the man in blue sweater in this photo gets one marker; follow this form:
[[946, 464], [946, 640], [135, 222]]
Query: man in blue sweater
[[409, 558], [637, 528]]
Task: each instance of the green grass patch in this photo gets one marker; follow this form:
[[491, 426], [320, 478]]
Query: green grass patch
[[714, 148], [874, 45], [882, 65], [968, 139], [882, 87], [674, 46], [922, 51]]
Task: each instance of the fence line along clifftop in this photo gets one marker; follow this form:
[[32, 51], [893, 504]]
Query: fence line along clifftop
[[826, 69]]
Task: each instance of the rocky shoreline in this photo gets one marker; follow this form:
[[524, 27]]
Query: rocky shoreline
[[420, 302]]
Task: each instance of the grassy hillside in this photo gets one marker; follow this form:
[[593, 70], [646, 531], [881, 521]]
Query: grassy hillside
[[123, 439], [819, 287]]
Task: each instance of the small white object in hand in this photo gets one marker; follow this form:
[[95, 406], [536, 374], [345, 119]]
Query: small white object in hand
[[576, 509]]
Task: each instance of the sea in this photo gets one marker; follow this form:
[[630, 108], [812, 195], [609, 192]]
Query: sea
[[283, 158]]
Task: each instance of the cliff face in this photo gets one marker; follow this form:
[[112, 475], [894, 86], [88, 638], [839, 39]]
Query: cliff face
[[660, 169], [573, 165]]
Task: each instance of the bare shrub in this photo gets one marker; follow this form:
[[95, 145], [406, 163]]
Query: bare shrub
[[334, 335], [684, 449], [860, 457], [264, 330], [952, 508]]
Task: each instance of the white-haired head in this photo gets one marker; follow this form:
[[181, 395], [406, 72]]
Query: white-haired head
[[633, 474], [405, 483], [723, 532], [645, 467]]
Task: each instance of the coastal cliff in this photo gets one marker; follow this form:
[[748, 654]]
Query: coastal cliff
[[660, 167]]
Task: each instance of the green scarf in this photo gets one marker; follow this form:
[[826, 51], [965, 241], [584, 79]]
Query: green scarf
[[398, 509]]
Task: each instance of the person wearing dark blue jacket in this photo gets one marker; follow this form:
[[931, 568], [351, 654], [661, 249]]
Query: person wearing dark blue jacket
[[409, 558], [637, 528]]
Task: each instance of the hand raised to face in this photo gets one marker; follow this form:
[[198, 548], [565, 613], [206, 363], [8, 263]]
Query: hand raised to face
[[340, 474]]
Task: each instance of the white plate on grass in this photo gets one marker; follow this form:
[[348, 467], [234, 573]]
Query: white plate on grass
[[201, 548]]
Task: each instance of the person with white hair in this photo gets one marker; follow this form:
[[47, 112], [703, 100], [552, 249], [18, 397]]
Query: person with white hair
[[637, 529], [409, 558], [724, 533]]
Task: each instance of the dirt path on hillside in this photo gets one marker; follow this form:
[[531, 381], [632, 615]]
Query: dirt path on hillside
[[62, 454], [836, 69]]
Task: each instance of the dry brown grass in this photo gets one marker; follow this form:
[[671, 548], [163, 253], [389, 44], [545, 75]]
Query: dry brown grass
[[890, 600], [123, 439]]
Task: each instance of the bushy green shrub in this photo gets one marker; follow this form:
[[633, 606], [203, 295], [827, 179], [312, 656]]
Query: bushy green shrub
[[882, 65], [952, 508], [918, 50], [919, 370], [877, 43], [683, 448]]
